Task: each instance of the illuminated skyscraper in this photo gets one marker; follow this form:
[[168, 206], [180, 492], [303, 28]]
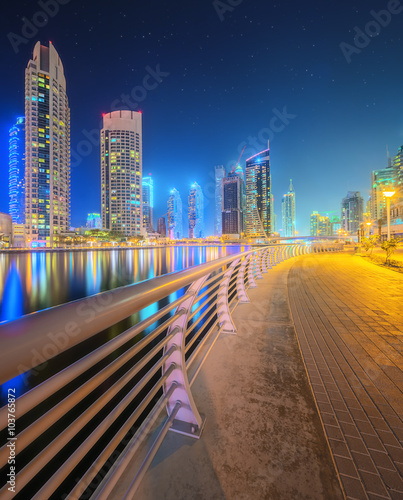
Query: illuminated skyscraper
[[162, 227], [258, 195], [94, 221], [47, 147], [380, 180], [196, 211], [175, 222], [148, 203], [121, 172], [232, 212], [288, 212], [351, 212], [16, 163], [219, 175], [320, 225]]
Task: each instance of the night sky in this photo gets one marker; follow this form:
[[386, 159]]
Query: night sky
[[226, 73]]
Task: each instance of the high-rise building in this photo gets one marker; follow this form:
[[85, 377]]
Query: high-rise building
[[121, 172], [148, 203], [232, 210], [161, 227], [196, 211], [175, 220], [258, 195], [351, 211], [47, 147], [320, 225], [398, 166], [219, 175], [94, 221], [380, 180], [16, 164], [288, 214]]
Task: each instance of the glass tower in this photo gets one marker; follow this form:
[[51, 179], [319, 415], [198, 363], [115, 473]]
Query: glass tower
[[148, 203], [258, 195], [288, 212], [175, 224], [16, 163], [47, 147], [196, 211], [232, 212], [219, 176], [121, 172], [352, 208]]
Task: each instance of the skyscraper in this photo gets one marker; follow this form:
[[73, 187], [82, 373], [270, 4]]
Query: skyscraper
[[148, 203], [380, 180], [94, 221], [258, 194], [161, 226], [175, 221], [288, 212], [219, 175], [47, 147], [320, 225], [351, 211], [232, 211], [121, 172], [16, 163], [196, 211]]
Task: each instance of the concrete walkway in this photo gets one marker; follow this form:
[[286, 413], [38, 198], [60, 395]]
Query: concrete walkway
[[263, 438], [348, 315]]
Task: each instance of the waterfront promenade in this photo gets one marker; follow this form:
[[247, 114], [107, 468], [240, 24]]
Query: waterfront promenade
[[270, 424]]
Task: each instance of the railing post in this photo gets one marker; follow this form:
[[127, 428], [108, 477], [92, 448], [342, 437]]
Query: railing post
[[258, 262], [188, 420], [251, 274], [224, 315], [263, 261], [240, 282]]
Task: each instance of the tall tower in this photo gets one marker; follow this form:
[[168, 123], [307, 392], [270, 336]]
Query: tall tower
[[219, 176], [47, 147], [352, 207], [16, 163], [232, 212], [288, 212], [196, 211], [121, 172], [175, 224], [148, 203], [258, 195]]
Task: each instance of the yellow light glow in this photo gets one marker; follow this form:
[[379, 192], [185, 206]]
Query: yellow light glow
[[388, 194]]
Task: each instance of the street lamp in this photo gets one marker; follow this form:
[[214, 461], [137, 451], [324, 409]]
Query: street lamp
[[388, 195], [368, 224]]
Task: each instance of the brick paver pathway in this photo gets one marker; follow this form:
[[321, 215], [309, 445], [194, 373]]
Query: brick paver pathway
[[348, 315]]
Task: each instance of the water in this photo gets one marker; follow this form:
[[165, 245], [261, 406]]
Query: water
[[34, 281]]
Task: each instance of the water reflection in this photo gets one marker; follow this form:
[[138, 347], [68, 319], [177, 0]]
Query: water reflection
[[34, 281]]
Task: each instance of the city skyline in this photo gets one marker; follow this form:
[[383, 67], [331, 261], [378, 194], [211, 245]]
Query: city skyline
[[199, 93]]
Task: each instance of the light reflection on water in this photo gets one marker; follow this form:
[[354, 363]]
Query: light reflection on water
[[34, 281]]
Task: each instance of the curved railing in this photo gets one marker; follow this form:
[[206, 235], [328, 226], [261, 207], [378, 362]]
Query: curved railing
[[78, 429]]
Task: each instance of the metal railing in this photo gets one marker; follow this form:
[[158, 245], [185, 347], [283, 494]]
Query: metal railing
[[100, 408]]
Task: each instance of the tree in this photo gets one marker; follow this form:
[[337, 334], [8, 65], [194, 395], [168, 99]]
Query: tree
[[390, 246], [369, 243]]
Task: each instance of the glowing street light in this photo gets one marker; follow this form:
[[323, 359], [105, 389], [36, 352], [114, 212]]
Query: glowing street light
[[388, 195], [368, 225]]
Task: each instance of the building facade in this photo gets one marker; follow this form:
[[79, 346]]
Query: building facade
[[382, 179], [288, 213], [258, 195], [148, 203], [232, 206], [94, 221], [219, 171], [6, 230], [161, 227], [196, 211], [16, 164], [121, 172], [47, 147], [352, 208], [175, 216], [320, 225]]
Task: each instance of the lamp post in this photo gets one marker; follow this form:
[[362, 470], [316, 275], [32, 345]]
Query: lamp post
[[388, 195], [368, 225]]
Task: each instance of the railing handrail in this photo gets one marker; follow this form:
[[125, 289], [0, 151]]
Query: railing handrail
[[81, 319]]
